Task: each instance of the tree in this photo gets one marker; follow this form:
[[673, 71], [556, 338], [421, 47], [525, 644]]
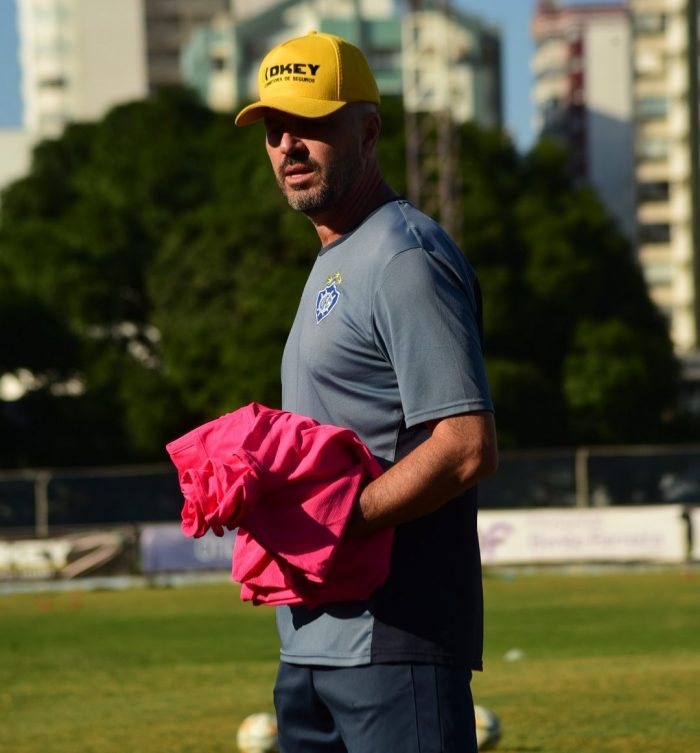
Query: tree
[[76, 236], [157, 237], [563, 297], [149, 259]]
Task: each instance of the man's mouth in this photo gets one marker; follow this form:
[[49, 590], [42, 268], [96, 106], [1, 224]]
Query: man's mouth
[[294, 174]]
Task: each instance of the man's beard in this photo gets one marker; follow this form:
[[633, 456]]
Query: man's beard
[[332, 185]]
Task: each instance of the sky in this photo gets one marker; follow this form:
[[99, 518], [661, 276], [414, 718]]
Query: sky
[[512, 17], [10, 103]]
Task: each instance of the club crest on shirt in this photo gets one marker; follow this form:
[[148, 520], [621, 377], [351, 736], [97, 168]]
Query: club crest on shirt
[[327, 297]]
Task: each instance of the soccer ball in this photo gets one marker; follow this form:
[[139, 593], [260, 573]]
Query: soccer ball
[[257, 734], [488, 728]]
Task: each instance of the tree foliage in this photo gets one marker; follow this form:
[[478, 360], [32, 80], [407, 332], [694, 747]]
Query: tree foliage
[[577, 352], [150, 259]]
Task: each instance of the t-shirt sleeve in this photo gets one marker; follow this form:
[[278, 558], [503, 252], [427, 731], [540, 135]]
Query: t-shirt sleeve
[[425, 319]]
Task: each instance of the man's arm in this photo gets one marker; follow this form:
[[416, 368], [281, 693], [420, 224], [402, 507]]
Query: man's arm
[[460, 452]]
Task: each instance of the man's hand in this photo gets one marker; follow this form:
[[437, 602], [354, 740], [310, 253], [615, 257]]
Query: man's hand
[[461, 451]]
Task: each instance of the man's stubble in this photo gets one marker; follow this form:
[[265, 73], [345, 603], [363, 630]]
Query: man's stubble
[[333, 184]]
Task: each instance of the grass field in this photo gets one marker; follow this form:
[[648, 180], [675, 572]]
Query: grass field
[[609, 663]]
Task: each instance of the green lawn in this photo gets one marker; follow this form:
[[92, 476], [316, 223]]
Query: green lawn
[[609, 663]]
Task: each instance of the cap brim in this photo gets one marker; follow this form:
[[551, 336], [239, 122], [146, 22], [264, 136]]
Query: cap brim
[[302, 107]]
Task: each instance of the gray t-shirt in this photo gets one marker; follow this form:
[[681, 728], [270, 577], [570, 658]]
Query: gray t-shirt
[[388, 336]]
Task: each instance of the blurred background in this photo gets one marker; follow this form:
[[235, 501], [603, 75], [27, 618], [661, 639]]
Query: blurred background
[[150, 270]]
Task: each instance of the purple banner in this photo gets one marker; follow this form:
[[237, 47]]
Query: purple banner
[[164, 548]]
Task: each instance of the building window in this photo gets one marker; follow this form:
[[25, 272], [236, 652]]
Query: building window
[[219, 63], [53, 48], [57, 14], [550, 72], [655, 232], [384, 60], [651, 108], [652, 149], [649, 65], [553, 117], [652, 191], [649, 23], [659, 275], [162, 24], [56, 82], [576, 65], [163, 58], [52, 122]]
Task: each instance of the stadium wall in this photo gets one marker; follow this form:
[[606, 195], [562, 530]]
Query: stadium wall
[[659, 535]]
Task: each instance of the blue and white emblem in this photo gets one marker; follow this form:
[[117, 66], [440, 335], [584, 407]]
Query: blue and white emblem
[[327, 297]]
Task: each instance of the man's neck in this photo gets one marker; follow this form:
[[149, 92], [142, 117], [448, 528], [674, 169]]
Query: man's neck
[[371, 192]]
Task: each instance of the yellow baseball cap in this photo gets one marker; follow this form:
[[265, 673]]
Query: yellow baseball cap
[[311, 76]]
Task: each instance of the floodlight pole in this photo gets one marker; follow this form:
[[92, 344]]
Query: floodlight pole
[[432, 137]]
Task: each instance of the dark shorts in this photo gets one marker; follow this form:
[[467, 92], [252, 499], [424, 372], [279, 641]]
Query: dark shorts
[[379, 708]]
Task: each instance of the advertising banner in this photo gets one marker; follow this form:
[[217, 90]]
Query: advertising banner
[[620, 534], [662, 534], [164, 548], [693, 531]]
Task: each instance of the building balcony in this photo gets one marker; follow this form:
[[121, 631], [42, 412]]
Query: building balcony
[[678, 78], [651, 147], [678, 118], [662, 296], [677, 33], [679, 162], [650, 87], [683, 331], [648, 172], [677, 252], [654, 255], [680, 205], [682, 244], [675, 6], [651, 45], [654, 213], [659, 276], [554, 54], [547, 90], [53, 101], [683, 284]]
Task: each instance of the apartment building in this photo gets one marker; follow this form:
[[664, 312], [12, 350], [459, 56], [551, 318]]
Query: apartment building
[[582, 68], [618, 85], [78, 59], [169, 25], [222, 59], [665, 99], [451, 62]]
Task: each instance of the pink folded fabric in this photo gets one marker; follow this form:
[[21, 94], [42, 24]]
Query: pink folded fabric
[[289, 484]]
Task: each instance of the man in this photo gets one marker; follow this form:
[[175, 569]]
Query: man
[[386, 342]]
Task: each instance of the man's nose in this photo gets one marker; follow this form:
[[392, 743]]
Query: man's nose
[[289, 143]]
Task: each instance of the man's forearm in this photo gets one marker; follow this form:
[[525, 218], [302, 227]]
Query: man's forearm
[[460, 452]]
